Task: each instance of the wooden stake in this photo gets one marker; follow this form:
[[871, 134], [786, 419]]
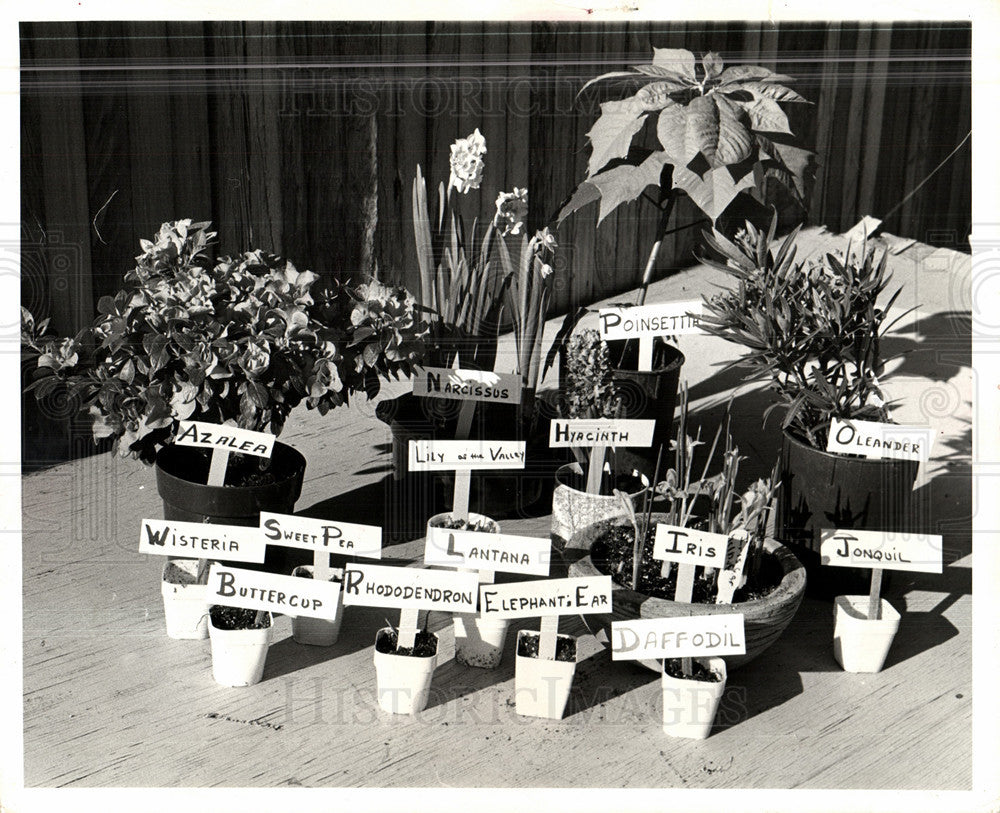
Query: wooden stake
[[595, 469], [683, 592], [217, 469], [874, 600], [463, 479], [645, 354], [409, 619], [321, 565], [547, 637]]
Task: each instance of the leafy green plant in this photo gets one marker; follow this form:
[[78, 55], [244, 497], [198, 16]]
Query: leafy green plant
[[241, 340], [814, 328]]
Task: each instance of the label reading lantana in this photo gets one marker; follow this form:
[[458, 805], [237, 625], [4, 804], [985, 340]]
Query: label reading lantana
[[225, 438], [876, 549], [467, 385], [608, 432], [666, 319], [873, 439], [465, 455], [447, 547]]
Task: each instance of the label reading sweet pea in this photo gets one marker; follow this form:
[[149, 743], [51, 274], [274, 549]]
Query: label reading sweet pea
[[467, 385], [256, 590], [610, 432], [202, 541], [687, 546], [875, 549], [549, 597], [465, 455], [682, 637], [665, 319], [885, 440], [224, 438], [410, 588], [322, 535], [485, 551]]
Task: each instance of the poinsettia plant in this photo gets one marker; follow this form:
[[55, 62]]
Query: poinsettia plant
[[239, 340]]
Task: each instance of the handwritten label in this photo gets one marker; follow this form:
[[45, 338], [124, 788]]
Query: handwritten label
[[321, 534], [408, 587], [687, 546], [467, 385], [873, 439], [255, 590], [683, 637], [585, 594], [227, 438], [610, 432], [165, 537], [876, 549], [465, 455], [665, 319], [485, 551]]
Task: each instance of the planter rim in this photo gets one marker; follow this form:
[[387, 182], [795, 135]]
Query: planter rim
[[387, 630], [859, 459], [675, 360], [854, 608], [578, 469], [295, 458], [714, 663], [211, 624], [564, 636]]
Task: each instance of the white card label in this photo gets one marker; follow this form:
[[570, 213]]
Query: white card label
[[873, 439], [666, 319], [693, 636], [234, 543], [875, 549], [687, 546], [227, 438], [610, 432], [466, 455], [467, 385], [484, 551], [256, 590], [345, 538], [574, 596], [409, 587]]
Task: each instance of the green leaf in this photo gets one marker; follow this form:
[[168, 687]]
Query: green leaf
[[611, 75], [627, 182], [678, 61], [659, 72], [793, 160], [714, 191], [712, 64], [584, 194], [779, 93], [656, 95], [671, 126], [714, 129], [766, 116], [747, 73], [612, 133]]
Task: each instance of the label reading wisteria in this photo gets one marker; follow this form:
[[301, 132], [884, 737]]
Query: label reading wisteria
[[236, 543]]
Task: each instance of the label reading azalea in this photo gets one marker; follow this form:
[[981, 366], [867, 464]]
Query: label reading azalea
[[665, 319], [465, 455], [610, 432], [875, 549], [548, 597], [322, 535], [684, 637], [467, 385], [227, 438], [873, 439], [255, 590], [202, 541], [485, 551], [687, 546]]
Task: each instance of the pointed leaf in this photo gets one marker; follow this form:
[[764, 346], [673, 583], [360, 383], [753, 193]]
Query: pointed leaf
[[778, 93], [715, 130], [712, 64], [677, 60], [714, 191], [766, 116], [612, 133], [611, 75], [671, 126], [656, 95], [749, 73], [627, 182], [584, 194], [660, 72]]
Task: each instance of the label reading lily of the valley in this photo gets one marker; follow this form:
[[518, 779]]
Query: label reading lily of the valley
[[666, 319], [466, 455], [876, 549], [234, 543], [227, 438], [546, 597], [256, 590], [687, 546], [610, 432], [324, 535], [409, 587], [467, 385], [485, 551], [693, 636], [873, 439]]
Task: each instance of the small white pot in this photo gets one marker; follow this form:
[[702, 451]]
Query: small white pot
[[437, 536], [860, 644], [689, 706], [185, 606], [573, 509], [479, 641], [316, 631], [403, 681], [541, 687], [238, 655]]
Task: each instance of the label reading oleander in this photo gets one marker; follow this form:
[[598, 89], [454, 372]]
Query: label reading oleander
[[875, 549], [236, 543], [683, 637], [610, 432], [322, 535], [408, 587], [873, 439], [485, 551], [467, 385], [256, 590], [465, 455], [228, 438], [666, 319], [585, 594], [687, 546]]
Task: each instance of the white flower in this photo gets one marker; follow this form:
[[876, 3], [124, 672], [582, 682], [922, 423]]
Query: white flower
[[512, 209], [545, 270], [467, 162], [545, 240]]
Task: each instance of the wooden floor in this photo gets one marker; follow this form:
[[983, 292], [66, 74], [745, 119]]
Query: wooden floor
[[109, 700]]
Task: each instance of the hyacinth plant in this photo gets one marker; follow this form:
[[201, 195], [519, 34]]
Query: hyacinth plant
[[240, 340], [589, 390]]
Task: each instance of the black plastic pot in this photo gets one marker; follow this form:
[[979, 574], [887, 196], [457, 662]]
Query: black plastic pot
[[821, 490]]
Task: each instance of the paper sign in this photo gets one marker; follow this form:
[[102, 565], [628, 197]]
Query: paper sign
[[465, 455], [322, 535], [585, 594], [873, 439], [467, 385], [409, 587], [609, 432], [486, 551], [665, 319], [256, 590], [687, 546], [889, 551], [236, 543], [225, 438], [694, 636]]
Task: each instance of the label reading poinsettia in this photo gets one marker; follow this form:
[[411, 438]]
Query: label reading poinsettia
[[665, 319], [224, 438], [876, 549], [873, 439], [485, 551], [409, 587], [609, 432], [693, 636], [165, 537], [322, 535], [467, 385], [465, 455], [547, 597], [687, 546], [256, 590]]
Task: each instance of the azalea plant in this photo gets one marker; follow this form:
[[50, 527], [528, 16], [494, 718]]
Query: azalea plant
[[241, 340]]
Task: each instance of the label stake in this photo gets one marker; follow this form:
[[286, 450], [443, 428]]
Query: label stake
[[409, 619], [547, 637], [874, 601]]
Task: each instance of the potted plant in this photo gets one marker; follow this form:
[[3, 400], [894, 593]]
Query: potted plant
[[240, 639], [690, 702], [184, 586], [813, 329], [541, 686], [403, 675], [318, 631]]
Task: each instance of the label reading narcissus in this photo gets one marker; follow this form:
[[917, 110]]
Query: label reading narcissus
[[467, 385], [256, 590], [547, 597], [885, 440], [226, 438], [684, 637], [644, 321], [877, 549], [410, 588], [485, 551], [322, 535], [465, 455], [236, 543], [687, 546], [594, 432]]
